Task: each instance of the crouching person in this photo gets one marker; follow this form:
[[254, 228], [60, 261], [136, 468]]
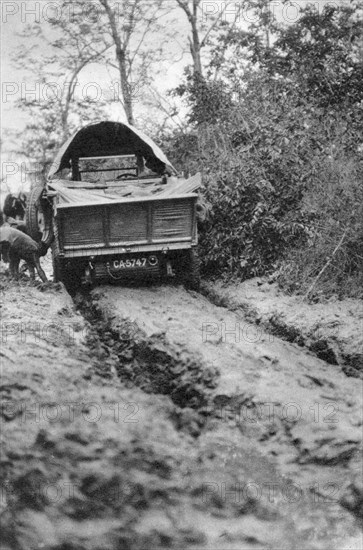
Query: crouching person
[[17, 246]]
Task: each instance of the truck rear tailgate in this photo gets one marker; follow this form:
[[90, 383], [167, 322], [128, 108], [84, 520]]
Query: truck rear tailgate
[[142, 222]]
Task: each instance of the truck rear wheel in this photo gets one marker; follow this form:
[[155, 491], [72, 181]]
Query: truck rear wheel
[[191, 270], [65, 272], [57, 267], [38, 216]]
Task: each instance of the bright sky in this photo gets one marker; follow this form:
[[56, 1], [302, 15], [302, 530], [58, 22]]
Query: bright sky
[[16, 14]]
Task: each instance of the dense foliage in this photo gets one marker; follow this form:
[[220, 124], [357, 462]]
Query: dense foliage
[[278, 136]]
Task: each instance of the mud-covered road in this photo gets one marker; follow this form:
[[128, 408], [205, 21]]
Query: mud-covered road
[[151, 418]]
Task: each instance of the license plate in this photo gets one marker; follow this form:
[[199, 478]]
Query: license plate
[[134, 263]]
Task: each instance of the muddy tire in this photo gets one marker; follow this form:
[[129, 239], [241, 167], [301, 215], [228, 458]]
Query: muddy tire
[[64, 272], [38, 218], [72, 278], [57, 266], [192, 270]]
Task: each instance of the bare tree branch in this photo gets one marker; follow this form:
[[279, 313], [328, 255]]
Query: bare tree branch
[[214, 24]]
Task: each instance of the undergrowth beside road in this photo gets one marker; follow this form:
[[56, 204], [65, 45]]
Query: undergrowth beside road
[[334, 200], [277, 134]]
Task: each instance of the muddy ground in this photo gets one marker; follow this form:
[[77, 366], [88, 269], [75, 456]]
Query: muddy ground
[[331, 329], [149, 417]]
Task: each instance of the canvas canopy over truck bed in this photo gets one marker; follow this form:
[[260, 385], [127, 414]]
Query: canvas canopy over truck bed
[[106, 138], [115, 140], [115, 207]]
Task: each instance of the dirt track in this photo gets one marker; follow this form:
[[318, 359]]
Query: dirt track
[[166, 421]]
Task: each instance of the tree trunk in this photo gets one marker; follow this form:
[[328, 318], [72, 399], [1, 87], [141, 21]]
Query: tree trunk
[[125, 87], [194, 41], [65, 128], [121, 61], [195, 50]]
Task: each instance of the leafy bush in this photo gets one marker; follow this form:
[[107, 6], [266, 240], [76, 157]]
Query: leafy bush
[[282, 193], [247, 230], [254, 193]]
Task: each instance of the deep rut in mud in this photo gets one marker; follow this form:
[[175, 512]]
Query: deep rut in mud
[[147, 363], [168, 362]]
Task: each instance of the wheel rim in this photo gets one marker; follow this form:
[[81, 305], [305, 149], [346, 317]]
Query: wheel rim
[[41, 222]]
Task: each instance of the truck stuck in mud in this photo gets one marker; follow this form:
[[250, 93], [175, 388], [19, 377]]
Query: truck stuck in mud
[[154, 417], [113, 208]]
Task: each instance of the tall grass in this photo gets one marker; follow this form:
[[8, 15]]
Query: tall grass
[[334, 203]]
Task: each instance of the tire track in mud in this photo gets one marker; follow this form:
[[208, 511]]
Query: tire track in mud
[[149, 363], [155, 336]]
